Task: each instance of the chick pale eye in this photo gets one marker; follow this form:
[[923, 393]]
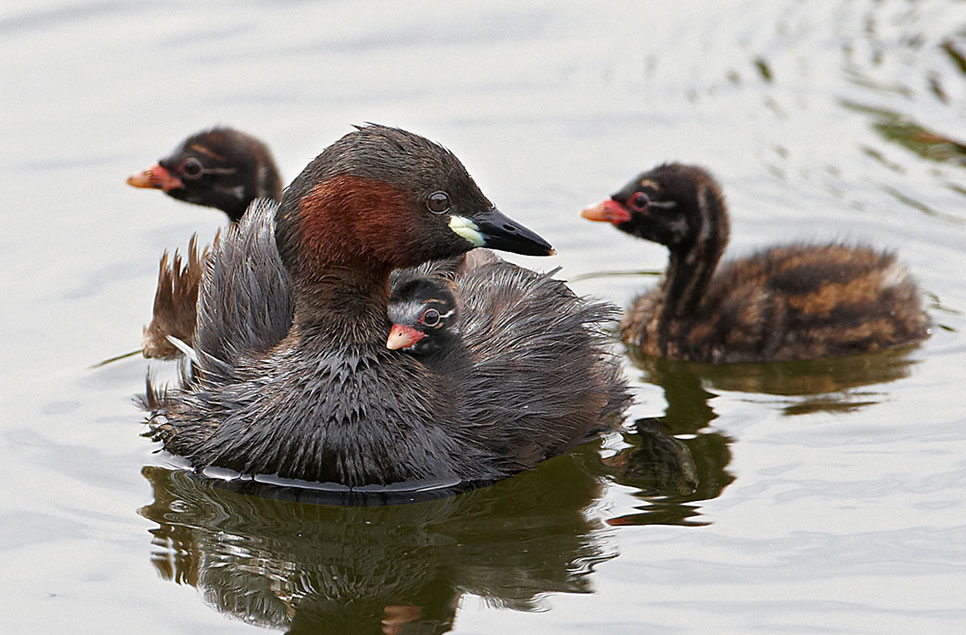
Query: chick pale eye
[[430, 317], [438, 202]]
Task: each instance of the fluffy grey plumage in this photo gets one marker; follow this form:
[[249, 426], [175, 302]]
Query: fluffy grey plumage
[[324, 400], [519, 390], [530, 339], [246, 304]]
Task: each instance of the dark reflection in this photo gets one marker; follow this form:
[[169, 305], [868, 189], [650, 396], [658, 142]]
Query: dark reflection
[[380, 569], [818, 384], [670, 460], [657, 463], [669, 474], [676, 462]]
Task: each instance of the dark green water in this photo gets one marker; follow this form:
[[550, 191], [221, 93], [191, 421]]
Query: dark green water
[[819, 496]]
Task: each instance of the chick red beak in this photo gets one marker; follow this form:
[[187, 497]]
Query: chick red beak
[[609, 211], [402, 336], [155, 177]]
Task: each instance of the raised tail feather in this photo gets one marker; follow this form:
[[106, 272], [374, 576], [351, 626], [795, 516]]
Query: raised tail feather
[[175, 301]]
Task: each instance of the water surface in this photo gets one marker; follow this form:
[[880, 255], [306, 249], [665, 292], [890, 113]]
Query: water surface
[[823, 495]]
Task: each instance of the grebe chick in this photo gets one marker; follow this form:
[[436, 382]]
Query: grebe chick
[[788, 302], [424, 317], [221, 168]]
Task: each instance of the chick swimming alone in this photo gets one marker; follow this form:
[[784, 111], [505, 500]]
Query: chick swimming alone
[[795, 301]]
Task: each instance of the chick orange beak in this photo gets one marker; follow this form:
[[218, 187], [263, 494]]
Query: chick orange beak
[[609, 211], [155, 177], [402, 336]]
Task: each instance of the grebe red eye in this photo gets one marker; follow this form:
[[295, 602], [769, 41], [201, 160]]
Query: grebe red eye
[[191, 168], [638, 201], [437, 202], [430, 317]]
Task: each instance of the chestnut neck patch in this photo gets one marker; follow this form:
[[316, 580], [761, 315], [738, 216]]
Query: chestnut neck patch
[[349, 233]]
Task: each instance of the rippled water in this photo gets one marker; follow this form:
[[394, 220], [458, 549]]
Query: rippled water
[[826, 495]]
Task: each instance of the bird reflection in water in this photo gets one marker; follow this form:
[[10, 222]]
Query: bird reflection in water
[[311, 567], [834, 384], [675, 461]]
